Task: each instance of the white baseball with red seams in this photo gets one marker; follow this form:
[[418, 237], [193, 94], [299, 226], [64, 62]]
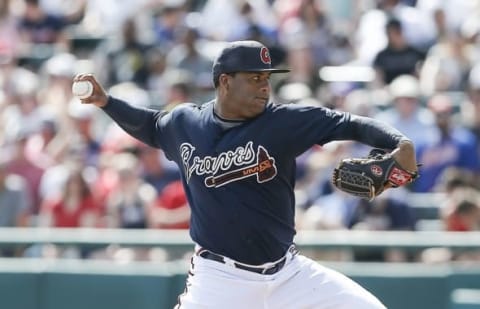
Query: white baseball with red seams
[[82, 89]]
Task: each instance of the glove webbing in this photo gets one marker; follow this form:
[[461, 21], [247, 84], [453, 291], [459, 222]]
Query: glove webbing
[[356, 184]]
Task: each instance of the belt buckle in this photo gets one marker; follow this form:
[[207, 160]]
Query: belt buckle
[[273, 267]]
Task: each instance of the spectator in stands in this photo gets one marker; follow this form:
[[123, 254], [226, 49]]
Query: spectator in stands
[[168, 23], [462, 212], [398, 58], [470, 108], [454, 178], [155, 169], [331, 210], [307, 36], [105, 18], [26, 167], [73, 123], [450, 146], [459, 212], [447, 64], [181, 87], [130, 199], [418, 28], [83, 135], [157, 82], [383, 213], [337, 210], [38, 27], [236, 18], [41, 146], [125, 57], [9, 34], [406, 112], [186, 55], [74, 207], [22, 111], [15, 203], [76, 143], [56, 74], [52, 182], [449, 15]]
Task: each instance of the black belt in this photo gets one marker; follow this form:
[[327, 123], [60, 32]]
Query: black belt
[[269, 270]]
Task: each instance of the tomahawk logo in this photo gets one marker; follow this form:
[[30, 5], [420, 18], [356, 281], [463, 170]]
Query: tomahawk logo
[[261, 165]]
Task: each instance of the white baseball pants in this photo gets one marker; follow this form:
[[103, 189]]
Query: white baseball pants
[[300, 284]]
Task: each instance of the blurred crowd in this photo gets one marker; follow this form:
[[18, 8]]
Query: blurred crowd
[[413, 64]]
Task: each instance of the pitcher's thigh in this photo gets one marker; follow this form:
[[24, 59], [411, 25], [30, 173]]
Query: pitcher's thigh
[[209, 288], [314, 286]]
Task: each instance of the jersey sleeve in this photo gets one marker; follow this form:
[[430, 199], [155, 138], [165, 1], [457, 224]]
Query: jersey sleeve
[[318, 125]]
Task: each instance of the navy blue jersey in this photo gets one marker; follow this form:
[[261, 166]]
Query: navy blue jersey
[[240, 180]]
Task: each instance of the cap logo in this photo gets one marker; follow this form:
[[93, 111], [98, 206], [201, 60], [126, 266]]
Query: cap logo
[[265, 56]]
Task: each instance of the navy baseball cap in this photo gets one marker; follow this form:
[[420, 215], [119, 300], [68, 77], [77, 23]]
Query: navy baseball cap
[[244, 56]]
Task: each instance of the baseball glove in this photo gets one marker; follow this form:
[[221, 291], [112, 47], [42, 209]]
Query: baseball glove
[[370, 176]]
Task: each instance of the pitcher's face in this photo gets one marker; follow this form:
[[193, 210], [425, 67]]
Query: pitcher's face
[[247, 94]]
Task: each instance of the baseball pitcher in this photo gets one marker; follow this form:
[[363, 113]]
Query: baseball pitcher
[[237, 158]]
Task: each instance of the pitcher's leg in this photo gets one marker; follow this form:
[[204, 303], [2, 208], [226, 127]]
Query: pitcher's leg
[[212, 285], [309, 285]]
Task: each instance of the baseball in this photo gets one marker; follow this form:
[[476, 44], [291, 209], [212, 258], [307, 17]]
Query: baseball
[[82, 89]]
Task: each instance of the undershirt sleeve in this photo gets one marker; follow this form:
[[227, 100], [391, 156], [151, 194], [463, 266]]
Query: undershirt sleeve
[[144, 124], [373, 132]]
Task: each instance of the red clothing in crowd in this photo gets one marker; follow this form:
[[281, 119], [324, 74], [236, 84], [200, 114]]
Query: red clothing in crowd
[[173, 198], [62, 216], [455, 223]]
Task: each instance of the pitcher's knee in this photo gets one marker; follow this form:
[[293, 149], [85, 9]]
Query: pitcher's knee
[[370, 303], [361, 301]]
